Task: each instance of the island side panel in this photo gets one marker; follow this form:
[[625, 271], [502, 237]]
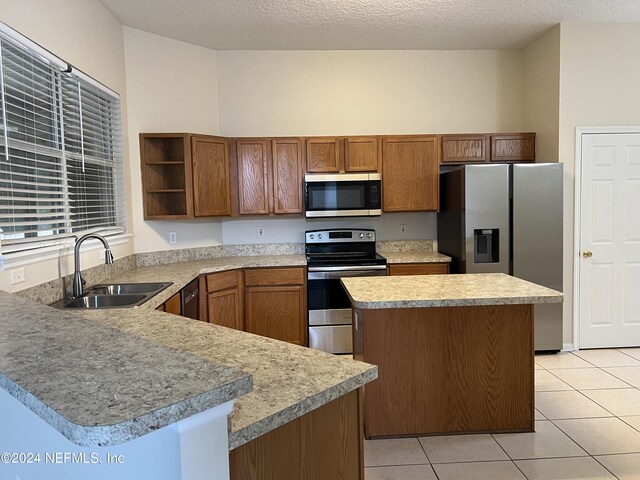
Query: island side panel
[[447, 369], [324, 444]]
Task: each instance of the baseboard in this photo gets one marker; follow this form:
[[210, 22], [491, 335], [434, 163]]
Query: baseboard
[[568, 347]]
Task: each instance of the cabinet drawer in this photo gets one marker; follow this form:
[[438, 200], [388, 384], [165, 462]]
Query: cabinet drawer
[[274, 276], [418, 269], [217, 282]]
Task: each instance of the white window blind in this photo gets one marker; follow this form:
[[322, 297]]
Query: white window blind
[[61, 167]]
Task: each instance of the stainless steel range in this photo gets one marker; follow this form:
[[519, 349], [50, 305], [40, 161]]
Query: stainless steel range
[[331, 255]]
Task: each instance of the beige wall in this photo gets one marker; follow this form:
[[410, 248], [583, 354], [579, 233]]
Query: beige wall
[[541, 93], [369, 92], [172, 87], [87, 35], [599, 78], [265, 93]]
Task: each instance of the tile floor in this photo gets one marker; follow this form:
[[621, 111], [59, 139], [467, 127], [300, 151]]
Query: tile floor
[[587, 427]]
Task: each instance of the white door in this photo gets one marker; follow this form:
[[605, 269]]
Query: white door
[[610, 241]]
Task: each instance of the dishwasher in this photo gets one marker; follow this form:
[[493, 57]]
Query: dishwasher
[[190, 300]]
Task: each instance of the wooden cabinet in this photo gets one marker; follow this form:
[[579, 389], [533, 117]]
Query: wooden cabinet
[[457, 149], [211, 183], [342, 154], [513, 147], [418, 268], [221, 299], [410, 173], [270, 176], [481, 148], [324, 444], [184, 176], [172, 305], [275, 303]]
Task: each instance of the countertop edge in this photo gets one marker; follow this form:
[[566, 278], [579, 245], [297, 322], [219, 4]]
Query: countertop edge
[[272, 422], [109, 435], [465, 302]]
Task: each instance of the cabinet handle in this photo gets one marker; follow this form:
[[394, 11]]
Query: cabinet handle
[[355, 320]]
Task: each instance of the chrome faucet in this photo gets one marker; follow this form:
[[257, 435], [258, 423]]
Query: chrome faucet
[[78, 281]]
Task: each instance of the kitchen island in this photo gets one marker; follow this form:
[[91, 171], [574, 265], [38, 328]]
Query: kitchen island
[[455, 352]]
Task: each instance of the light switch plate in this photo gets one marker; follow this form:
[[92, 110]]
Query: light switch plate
[[17, 275]]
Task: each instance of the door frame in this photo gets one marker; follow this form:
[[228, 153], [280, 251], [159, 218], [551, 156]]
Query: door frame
[[577, 212]]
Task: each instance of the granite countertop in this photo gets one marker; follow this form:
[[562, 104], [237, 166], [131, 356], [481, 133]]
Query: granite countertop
[[118, 392], [182, 273], [99, 385], [415, 256], [416, 291]]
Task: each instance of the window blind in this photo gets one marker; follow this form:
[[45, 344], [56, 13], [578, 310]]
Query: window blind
[[61, 167]]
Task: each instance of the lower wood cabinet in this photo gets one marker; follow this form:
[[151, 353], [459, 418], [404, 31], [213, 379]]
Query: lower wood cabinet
[[275, 304], [221, 301], [324, 444], [418, 268], [172, 305]]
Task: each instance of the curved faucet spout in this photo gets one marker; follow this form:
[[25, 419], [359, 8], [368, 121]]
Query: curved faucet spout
[[78, 281]]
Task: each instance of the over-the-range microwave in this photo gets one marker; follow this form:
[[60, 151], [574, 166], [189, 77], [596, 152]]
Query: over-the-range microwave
[[343, 195]]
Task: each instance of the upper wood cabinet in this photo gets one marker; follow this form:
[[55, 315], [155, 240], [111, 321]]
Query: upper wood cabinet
[[184, 176], [456, 149], [410, 173], [211, 184], [270, 176], [513, 147], [323, 155], [165, 159], [481, 148], [253, 176], [342, 154]]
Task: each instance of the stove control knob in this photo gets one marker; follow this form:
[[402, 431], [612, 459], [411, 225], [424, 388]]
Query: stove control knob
[[312, 236], [368, 235], [361, 235], [319, 236]]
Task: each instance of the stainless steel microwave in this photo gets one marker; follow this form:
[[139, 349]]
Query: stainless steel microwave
[[343, 195]]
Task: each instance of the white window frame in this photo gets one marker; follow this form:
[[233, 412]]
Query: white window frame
[[43, 247]]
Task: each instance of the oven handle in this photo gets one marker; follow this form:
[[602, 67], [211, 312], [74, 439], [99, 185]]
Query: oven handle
[[342, 274], [346, 269]]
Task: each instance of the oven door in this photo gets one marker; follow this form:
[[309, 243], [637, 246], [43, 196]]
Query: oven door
[[330, 308], [342, 195]]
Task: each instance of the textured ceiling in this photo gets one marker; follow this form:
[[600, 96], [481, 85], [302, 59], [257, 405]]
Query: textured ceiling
[[363, 24]]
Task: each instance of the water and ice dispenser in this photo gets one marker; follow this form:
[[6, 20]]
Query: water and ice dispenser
[[486, 245]]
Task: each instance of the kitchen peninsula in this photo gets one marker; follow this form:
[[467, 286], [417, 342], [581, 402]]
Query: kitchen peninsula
[[455, 352]]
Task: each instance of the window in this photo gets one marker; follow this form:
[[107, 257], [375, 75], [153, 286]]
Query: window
[[61, 167]]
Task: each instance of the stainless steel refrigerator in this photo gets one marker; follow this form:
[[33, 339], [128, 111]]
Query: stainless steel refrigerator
[[507, 218]]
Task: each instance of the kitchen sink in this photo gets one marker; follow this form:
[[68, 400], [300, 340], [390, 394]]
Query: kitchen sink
[[127, 288], [105, 301], [115, 295]]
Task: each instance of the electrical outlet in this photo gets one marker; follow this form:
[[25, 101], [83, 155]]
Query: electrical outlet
[[17, 276], [403, 230], [173, 237], [260, 232]]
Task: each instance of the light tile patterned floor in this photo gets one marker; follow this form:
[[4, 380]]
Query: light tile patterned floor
[[587, 428]]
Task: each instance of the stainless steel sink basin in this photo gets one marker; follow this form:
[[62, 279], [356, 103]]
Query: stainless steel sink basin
[[105, 301], [116, 295], [127, 288]]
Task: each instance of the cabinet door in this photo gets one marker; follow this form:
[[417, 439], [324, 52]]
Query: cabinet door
[[323, 155], [410, 174], [277, 312], [288, 175], [513, 147], [211, 184], [253, 176], [361, 154], [418, 268], [224, 308], [456, 149], [173, 305]]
